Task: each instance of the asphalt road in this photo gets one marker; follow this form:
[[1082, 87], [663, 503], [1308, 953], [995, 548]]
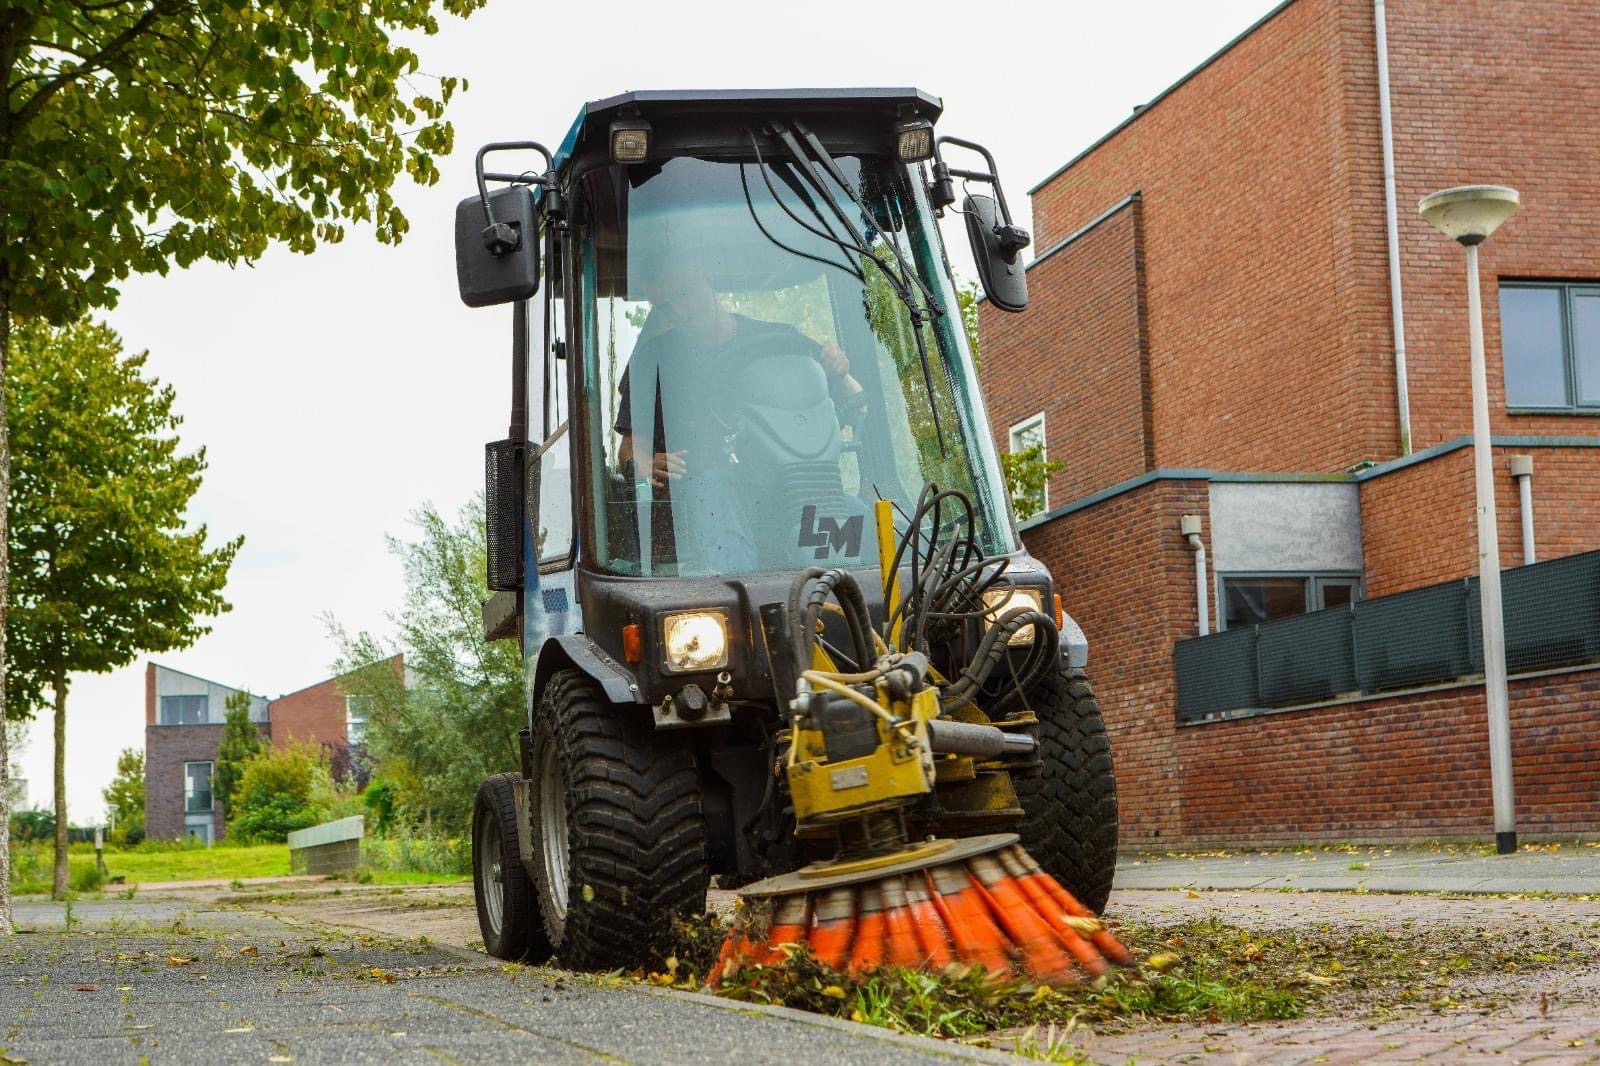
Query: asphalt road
[[179, 983]]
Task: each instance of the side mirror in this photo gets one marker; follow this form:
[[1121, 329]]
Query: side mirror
[[996, 248], [497, 258]]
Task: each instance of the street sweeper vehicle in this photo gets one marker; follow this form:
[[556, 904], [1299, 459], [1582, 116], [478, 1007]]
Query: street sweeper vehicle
[[750, 528]]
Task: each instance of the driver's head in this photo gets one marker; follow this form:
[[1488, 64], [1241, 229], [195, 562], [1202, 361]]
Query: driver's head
[[685, 301], [676, 285]]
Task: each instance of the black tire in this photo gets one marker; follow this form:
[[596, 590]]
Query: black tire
[[508, 906], [1070, 805], [620, 842]]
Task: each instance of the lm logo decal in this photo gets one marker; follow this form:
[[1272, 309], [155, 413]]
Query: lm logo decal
[[829, 534]]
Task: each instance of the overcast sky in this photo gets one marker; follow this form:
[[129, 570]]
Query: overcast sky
[[336, 392]]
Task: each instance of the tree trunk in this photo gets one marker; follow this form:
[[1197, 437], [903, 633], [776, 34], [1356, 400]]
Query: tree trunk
[[60, 889], [5, 565]]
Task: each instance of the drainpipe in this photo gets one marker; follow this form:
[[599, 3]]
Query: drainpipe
[[1189, 525], [1396, 310], [1522, 470]]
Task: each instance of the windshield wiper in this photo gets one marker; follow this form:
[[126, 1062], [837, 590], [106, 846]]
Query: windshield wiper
[[805, 168]]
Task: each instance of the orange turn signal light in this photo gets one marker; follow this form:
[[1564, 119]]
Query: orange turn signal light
[[632, 645], [1061, 616]]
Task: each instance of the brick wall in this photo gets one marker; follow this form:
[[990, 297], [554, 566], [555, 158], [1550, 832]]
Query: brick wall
[[1491, 91], [1087, 341], [1418, 524], [316, 713], [166, 749], [1411, 767], [1261, 186], [1127, 577], [1258, 301], [1268, 331]]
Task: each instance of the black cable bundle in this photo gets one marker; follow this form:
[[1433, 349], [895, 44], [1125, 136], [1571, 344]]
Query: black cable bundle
[[949, 578]]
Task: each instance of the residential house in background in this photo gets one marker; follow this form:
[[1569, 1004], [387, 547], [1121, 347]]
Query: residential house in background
[[183, 732], [1266, 430]]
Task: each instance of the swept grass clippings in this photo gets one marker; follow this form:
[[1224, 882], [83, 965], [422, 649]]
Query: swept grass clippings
[[1203, 971]]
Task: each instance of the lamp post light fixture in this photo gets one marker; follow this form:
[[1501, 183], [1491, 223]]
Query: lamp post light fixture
[[1468, 214]]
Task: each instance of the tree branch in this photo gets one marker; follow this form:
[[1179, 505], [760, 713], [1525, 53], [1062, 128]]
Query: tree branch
[[101, 59]]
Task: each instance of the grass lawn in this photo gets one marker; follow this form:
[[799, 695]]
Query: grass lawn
[[409, 877], [31, 864]]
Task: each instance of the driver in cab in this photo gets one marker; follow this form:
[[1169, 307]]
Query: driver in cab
[[696, 350]]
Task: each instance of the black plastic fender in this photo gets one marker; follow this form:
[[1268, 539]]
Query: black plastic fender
[[578, 651]]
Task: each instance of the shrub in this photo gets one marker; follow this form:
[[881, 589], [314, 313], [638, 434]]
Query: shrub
[[86, 879], [281, 790], [421, 853], [36, 824]]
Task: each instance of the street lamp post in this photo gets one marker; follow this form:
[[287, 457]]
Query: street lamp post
[[1467, 215]]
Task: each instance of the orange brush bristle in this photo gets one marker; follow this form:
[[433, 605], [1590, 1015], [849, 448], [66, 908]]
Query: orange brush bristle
[[998, 910]]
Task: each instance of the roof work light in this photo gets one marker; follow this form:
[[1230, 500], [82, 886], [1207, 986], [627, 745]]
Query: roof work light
[[913, 140], [630, 140]]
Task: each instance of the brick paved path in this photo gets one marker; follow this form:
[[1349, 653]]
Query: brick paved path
[[1550, 1018]]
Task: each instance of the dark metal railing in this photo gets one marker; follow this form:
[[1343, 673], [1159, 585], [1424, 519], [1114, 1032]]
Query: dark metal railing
[[1422, 637]]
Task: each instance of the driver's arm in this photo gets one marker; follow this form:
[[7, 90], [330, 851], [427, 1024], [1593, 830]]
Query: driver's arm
[[841, 382]]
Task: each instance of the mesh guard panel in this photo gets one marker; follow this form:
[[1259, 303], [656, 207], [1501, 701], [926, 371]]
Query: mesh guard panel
[[502, 503]]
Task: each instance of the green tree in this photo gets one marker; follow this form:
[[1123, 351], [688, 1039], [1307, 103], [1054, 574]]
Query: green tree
[[1027, 472], [458, 724], [282, 789], [103, 566], [140, 133], [241, 742], [125, 798]]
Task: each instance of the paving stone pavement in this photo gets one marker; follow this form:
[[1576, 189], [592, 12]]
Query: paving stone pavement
[[178, 983], [1551, 1020]]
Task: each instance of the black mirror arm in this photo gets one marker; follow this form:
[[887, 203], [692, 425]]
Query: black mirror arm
[[1013, 238], [500, 238]]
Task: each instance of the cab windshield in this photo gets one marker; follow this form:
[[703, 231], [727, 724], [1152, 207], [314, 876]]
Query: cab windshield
[[754, 376]]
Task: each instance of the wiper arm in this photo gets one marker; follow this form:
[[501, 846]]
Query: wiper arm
[[838, 176], [799, 188], [902, 288], [807, 171]]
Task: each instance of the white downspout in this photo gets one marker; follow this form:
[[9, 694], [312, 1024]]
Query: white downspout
[[1396, 310], [1189, 524], [1522, 470]]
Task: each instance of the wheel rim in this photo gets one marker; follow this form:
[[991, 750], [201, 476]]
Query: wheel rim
[[553, 828], [491, 873]]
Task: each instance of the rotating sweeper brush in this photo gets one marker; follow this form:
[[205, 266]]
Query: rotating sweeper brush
[[875, 731]]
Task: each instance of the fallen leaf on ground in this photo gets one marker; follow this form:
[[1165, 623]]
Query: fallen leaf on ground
[[178, 960], [1163, 962], [84, 988], [248, 949], [1192, 894]]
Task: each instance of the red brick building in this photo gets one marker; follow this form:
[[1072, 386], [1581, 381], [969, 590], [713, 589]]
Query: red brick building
[[1212, 295], [184, 717]]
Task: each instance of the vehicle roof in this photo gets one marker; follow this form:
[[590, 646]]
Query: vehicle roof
[[599, 113]]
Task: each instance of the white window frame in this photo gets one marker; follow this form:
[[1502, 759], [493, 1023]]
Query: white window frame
[[1015, 434], [210, 775], [355, 725]]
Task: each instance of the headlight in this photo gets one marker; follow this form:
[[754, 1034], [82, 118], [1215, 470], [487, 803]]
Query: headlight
[[1000, 602], [695, 640]]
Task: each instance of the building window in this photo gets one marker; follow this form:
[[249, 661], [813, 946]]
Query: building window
[[1550, 339], [1250, 599], [355, 718], [1028, 435], [196, 787], [184, 710]]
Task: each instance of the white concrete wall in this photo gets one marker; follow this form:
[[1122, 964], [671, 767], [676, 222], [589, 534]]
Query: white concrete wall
[[1264, 527]]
